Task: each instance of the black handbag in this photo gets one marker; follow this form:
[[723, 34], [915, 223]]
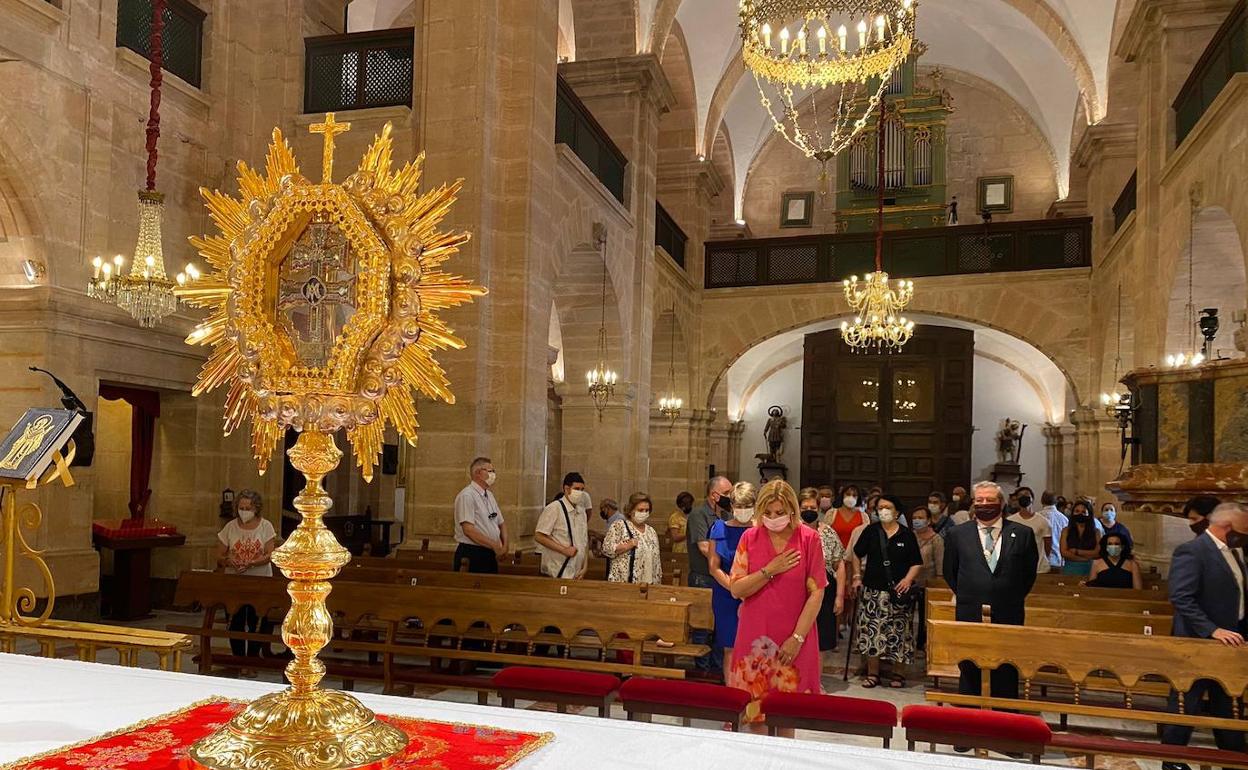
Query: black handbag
[[906, 600]]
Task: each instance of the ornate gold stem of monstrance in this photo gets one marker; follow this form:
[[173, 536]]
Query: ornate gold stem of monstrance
[[324, 301]]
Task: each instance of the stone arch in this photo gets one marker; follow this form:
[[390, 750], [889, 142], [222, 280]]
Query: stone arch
[[1217, 280], [20, 224], [664, 17], [678, 126], [730, 328], [566, 49]]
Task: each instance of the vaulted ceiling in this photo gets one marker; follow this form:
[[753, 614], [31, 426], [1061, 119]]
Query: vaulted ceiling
[[1048, 55]]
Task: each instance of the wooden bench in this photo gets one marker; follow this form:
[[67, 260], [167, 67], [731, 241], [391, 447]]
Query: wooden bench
[[392, 624], [1113, 603], [699, 599], [1129, 659], [90, 638]]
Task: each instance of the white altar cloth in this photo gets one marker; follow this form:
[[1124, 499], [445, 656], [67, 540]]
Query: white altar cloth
[[47, 703]]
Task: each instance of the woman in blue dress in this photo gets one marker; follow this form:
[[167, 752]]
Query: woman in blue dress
[[724, 536]]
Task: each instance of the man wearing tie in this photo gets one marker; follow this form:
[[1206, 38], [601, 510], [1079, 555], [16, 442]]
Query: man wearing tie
[[1209, 591], [990, 561]]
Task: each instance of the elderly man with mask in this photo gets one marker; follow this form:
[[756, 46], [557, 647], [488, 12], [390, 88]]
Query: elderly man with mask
[[562, 531]]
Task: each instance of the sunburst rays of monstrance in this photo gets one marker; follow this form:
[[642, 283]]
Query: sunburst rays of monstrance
[[323, 315]]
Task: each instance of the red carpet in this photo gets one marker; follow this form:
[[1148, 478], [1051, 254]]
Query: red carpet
[[162, 743]]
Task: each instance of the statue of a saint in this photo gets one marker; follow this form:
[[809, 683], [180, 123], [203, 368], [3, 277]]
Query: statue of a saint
[[1008, 441], [773, 432]]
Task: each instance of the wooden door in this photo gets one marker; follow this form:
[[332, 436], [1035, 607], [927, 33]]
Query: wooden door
[[901, 420]]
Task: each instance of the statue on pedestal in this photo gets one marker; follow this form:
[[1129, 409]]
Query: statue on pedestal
[[773, 432], [1009, 449]]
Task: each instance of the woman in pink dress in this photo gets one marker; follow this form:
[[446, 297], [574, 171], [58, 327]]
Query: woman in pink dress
[[778, 572]]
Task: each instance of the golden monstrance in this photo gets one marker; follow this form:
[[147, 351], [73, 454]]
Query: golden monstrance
[[324, 303]]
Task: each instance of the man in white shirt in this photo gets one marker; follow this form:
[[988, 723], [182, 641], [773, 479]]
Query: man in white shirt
[[1058, 522], [562, 532], [1038, 524], [480, 531]]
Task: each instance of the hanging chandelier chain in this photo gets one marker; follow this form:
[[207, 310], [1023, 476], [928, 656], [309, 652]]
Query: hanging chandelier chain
[[157, 50]]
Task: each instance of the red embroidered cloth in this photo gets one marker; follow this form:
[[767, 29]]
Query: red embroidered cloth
[[162, 744]]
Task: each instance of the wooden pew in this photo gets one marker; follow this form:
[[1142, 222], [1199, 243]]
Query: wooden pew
[[1051, 588], [89, 638], [699, 599], [1078, 619], [1128, 658], [394, 623], [1111, 603]]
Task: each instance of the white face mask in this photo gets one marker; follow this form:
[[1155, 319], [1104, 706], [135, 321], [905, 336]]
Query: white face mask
[[887, 516], [641, 516], [245, 515], [490, 478], [934, 508], [743, 515], [577, 497], [850, 501]]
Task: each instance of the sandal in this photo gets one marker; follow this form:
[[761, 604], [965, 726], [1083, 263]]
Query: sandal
[[869, 682]]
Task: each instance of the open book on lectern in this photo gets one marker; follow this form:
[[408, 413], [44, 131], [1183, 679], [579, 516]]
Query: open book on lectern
[[28, 449]]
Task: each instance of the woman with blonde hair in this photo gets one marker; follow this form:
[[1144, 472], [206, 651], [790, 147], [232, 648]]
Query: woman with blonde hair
[[632, 545], [725, 536], [779, 575]]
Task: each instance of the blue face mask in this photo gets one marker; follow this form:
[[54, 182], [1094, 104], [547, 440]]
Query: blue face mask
[[1110, 515], [920, 523], [1114, 551]]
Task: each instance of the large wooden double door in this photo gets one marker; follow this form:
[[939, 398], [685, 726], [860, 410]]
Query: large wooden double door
[[900, 420]]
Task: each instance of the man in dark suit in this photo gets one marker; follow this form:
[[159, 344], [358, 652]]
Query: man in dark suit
[[1209, 591], [991, 561]]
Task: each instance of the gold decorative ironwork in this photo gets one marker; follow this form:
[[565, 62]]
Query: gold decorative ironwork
[[16, 601], [324, 301]]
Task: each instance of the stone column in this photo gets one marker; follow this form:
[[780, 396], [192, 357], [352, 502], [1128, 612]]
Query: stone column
[[1165, 37], [486, 114], [1098, 451], [626, 95], [1059, 446], [687, 190]]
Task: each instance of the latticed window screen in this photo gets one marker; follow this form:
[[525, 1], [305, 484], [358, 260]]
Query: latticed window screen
[[352, 72], [1056, 248], [731, 267], [793, 264], [982, 254], [181, 39]]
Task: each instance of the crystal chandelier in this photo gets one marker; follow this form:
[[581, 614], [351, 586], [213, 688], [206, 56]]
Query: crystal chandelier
[[827, 79], [601, 380], [670, 405], [146, 293], [878, 322]]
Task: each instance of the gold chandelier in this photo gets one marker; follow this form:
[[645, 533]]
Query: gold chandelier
[[804, 49], [878, 323], [670, 405], [600, 380], [147, 292]]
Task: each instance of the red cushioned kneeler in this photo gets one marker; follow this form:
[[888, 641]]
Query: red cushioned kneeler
[[559, 686], [976, 728], [643, 698], [830, 714]]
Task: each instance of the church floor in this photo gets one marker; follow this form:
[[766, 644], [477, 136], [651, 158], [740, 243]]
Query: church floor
[[911, 693]]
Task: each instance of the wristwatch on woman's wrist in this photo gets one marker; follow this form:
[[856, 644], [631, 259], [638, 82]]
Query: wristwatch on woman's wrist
[[800, 639]]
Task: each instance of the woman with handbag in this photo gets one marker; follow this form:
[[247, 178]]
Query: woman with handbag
[[893, 562], [633, 545]]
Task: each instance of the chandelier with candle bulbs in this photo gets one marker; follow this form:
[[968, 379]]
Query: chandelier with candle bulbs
[[146, 292], [601, 380], [878, 323], [670, 405], [827, 62]]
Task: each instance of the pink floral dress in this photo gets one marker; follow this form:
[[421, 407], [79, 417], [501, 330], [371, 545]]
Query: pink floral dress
[[768, 618]]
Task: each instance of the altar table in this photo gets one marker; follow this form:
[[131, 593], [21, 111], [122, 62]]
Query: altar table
[[48, 703]]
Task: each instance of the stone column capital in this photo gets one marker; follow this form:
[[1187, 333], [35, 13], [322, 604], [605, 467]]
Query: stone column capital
[[678, 177], [1103, 141], [1151, 19], [641, 74]]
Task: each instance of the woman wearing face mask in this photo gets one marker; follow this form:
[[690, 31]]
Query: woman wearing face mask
[[887, 563], [1111, 526], [1081, 543], [633, 545], [932, 549], [725, 536], [1117, 567], [778, 573], [808, 501], [847, 517], [826, 497], [678, 522], [244, 546]]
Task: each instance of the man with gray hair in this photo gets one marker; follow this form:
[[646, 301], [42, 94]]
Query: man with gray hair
[[697, 534], [990, 561], [1209, 590], [480, 531]]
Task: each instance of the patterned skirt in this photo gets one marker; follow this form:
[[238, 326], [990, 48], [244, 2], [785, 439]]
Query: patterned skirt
[[884, 630]]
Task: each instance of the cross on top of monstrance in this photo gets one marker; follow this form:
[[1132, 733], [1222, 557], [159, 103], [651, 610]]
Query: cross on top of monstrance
[[330, 128], [323, 303]]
